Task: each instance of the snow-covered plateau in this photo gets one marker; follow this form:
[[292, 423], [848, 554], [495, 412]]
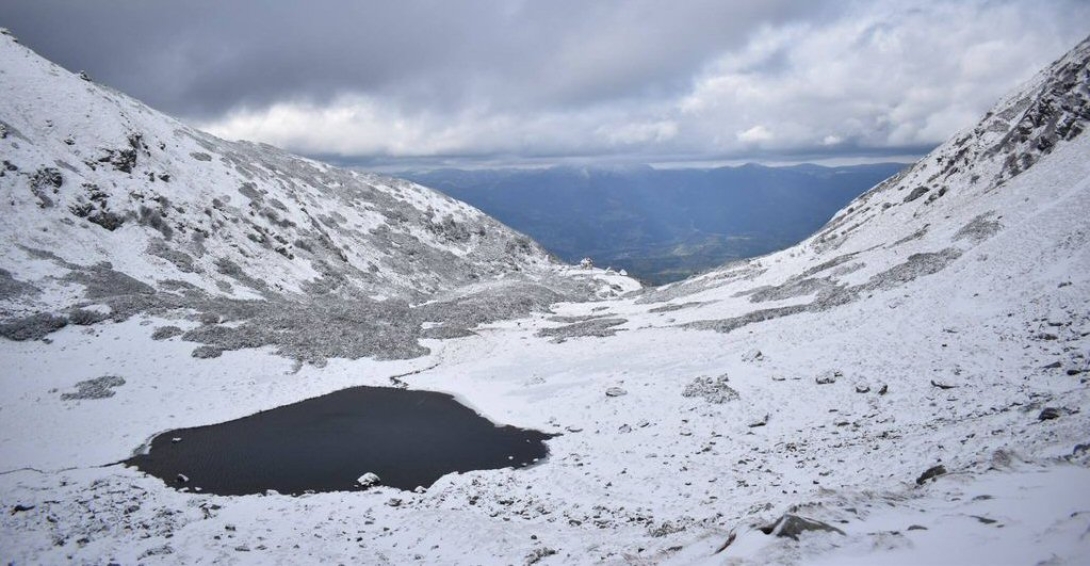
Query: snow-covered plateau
[[907, 386]]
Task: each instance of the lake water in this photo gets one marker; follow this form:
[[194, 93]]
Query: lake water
[[409, 438]]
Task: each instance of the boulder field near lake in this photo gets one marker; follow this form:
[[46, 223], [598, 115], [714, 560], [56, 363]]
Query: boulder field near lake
[[906, 386]]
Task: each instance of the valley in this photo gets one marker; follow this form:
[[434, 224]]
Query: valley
[[661, 225], [907, 384]]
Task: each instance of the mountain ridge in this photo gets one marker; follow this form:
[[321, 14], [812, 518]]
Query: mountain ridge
[[115, 209]]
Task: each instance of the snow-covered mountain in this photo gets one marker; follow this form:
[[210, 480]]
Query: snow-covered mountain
[[909, 385], [112, 209]]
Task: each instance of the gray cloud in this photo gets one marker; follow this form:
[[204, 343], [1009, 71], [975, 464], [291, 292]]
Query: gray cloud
[[504, 79]]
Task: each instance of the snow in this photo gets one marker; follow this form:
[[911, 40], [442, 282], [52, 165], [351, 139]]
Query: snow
[[653, 475], [368, 479]]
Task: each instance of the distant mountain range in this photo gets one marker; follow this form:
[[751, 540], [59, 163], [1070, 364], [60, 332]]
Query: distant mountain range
[[661, 225]]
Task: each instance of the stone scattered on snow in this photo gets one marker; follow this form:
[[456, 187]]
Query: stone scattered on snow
[[931, 473], [1048, 414], [759, 422], [615, 392], [754, 355], [715, 391], [792, 526], [828, 377], [370, 479]]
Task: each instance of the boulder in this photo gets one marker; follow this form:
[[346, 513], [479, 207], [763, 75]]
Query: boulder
[[615, 392], [932, 472], [367, 480], [1048, 414], [791, 526]]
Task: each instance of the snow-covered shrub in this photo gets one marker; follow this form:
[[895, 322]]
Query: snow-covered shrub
[[32, 327]]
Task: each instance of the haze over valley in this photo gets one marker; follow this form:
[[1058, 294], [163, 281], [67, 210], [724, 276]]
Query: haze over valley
[[661, 225]]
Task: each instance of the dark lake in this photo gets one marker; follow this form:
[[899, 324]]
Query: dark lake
[[409, 438]]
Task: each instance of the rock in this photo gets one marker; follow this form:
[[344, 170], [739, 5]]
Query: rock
[[791, 526], [828, 377], [84, 76], [19, 508], [615, 392], [932, 472], [753, 356], [537, 554], [862, 388], [715, 391], [370, 479], [1053, 365], [1048, 414], [759, 422], [665, 529], [393, 502], [157, 551], [1080, 449], [916, 193], [916, 528], [942, 385], [884, 389], [182, 478]]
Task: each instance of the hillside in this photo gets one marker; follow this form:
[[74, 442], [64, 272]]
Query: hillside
[[661, 225], [113, 209], [906, 386]]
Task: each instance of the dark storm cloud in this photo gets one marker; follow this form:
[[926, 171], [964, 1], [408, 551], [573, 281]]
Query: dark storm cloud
[[499, 80], [202, 58]]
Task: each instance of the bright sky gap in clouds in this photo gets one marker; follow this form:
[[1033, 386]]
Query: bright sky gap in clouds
[[434, 82]]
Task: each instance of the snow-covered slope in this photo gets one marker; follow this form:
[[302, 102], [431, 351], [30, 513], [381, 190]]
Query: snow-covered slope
[[922, 220], [110, 205], [812, 393]]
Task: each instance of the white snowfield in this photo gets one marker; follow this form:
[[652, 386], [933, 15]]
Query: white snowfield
[[781, 410]]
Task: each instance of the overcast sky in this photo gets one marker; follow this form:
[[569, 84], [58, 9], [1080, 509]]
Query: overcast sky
[[427, 82]]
